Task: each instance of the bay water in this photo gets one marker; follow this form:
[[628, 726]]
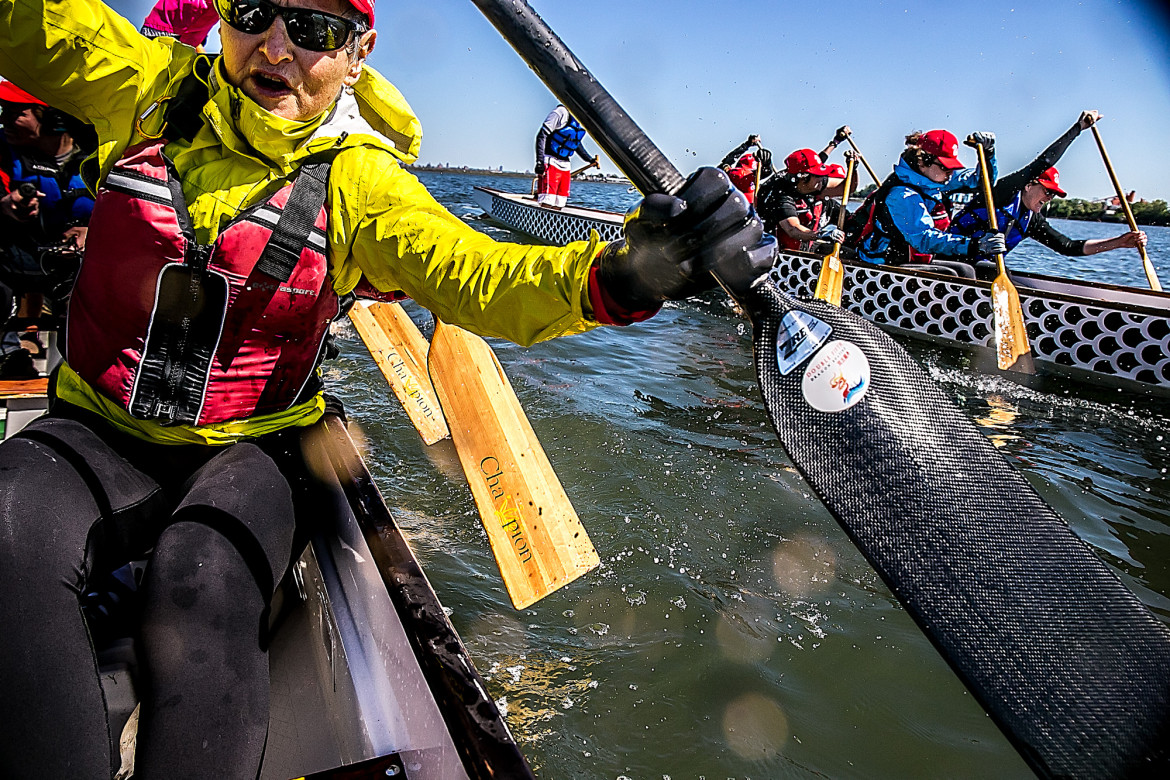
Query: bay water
[[733, 630]]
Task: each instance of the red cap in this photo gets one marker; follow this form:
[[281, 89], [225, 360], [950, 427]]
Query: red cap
[[1050, 180], [747, 161], [942, 145], [10, 93], [366, 7], [806, 161], [836, 171]]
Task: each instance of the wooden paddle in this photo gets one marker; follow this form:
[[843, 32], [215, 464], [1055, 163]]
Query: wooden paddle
[[536, 537], [401, 353], [832, 277], [860, 156], [1011, 336], [1047, 638], [584, 168], [1151, 274]]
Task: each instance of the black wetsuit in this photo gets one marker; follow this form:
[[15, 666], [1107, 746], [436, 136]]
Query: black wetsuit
[[90, 498]]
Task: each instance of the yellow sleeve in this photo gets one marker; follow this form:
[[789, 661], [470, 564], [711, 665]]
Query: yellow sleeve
[[387, 228], [82, 57]]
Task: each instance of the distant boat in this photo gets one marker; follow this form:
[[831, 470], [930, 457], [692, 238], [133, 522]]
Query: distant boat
[[1100, 333]]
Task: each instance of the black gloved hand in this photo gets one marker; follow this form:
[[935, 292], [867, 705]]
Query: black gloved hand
[[842, 133], [984, 139], [539, 168], [672, 242], [991, 244]]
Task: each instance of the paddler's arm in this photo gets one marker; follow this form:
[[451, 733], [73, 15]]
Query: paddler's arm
[[188, 20], [387, 229], [969, 179], [83, 58]]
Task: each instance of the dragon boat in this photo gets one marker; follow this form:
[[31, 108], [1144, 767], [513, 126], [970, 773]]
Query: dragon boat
[[1104, 334]]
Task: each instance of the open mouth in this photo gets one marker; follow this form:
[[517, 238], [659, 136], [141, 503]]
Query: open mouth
[[270, 85]]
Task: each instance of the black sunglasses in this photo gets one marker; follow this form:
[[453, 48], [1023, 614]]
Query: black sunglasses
[[312, 30]]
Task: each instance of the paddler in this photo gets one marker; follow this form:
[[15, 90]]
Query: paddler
[[905, 221], [798, 206], [1020, 198], [558, 139], [240, 201], [44, 211]]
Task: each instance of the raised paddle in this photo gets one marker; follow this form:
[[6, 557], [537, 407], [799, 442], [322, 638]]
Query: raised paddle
[[1011, 336], [536, 537], [1069, 663], [860, 156], [1151, 274], [832, 275], [400, 352]]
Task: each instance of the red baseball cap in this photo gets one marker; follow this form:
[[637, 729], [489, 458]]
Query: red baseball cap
[[747, 161], [10, 93], [806, 161], [366, 7], [1050, 180], [942, 145]]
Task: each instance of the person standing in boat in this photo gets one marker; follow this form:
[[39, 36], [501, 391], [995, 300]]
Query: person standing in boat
[[1020, 198], [557, 141], [905, 221], [242, 201]]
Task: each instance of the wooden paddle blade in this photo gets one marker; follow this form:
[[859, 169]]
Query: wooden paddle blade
[[403, 363], [1011, 337], [832, 278], [536, 537]]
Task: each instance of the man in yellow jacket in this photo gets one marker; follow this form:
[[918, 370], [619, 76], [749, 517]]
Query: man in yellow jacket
[[239, 201]]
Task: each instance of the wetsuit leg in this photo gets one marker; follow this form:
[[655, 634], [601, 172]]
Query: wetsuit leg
[[63, 492], [210, 580]]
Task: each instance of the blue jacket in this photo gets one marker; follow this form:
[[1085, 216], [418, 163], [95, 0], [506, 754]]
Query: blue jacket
[[905, 215]]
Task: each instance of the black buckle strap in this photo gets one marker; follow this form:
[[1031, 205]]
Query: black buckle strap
[[291, 235]]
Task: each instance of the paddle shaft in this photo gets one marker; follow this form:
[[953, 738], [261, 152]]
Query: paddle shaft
[[582, 169], [861, 157], [1151, 274], [985, 182]]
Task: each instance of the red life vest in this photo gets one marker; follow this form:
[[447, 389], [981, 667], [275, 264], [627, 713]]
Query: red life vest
[[743, 176], [183, 332], [810, 218]]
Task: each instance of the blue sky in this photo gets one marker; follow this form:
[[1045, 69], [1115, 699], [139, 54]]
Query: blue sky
[[700, 76]]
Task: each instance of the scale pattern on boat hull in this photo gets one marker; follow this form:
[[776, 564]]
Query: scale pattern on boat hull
[[1073, 337], [548, 225]]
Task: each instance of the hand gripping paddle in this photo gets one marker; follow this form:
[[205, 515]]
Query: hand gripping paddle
[[1069, 663]]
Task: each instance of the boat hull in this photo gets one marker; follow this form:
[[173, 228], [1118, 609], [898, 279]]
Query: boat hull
[[1111, 336]]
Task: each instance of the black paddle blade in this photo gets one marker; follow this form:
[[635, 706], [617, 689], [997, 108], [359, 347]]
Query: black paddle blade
[[1073, 667]]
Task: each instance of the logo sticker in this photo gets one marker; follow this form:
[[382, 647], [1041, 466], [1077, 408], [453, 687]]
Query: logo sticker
[[799, 336], [837, 378]]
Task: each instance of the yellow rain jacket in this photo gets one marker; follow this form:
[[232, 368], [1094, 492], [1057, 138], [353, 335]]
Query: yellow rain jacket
[[81, 57]]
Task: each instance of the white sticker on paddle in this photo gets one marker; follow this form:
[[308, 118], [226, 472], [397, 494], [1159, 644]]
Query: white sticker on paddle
[[837, 378], [797, 338]]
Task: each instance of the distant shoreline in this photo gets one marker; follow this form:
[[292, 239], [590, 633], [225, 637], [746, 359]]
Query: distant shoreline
[[601, 179]]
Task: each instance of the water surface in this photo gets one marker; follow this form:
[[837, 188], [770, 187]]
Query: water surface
[[732, 630]]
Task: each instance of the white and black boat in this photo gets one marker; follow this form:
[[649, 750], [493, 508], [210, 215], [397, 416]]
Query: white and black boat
[[1100, 333]]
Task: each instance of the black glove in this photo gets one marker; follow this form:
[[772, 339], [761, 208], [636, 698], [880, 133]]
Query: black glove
[[672, 242], [841, 134], [539, 168], [984, 139], [990, 244]]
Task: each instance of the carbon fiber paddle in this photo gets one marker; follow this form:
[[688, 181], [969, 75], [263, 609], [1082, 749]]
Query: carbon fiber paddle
[[1069, 663]]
